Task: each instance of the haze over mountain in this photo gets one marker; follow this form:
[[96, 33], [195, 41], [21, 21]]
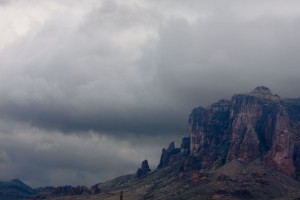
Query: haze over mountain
[[91, 88]]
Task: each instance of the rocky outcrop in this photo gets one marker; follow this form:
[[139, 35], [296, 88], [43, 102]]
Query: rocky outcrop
[[257, 125], [144, 169], [169, 156]]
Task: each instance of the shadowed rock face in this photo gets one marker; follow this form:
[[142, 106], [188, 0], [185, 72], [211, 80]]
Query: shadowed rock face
[[169, 156], [185, 145], [144, 169], [256, 125], [210, 135]]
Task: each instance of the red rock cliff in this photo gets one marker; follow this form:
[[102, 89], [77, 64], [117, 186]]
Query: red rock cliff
[[257, 125]]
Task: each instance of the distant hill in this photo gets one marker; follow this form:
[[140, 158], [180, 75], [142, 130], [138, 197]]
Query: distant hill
[[14, 190]]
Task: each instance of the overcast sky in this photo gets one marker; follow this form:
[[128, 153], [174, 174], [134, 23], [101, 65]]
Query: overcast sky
[[88, 89]]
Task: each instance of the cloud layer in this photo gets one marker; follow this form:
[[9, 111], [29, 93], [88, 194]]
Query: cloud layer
[[110, 76]]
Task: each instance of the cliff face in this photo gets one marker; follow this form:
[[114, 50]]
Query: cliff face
[[210, 135], [256, 125]]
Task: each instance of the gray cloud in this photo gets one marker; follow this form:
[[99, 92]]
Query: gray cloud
[[55, 158], [3, 2], [72, 73]]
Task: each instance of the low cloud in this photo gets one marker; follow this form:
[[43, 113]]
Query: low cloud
[[53, 158]]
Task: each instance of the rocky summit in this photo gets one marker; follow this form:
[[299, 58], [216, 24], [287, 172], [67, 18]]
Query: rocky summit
[[246, 147], [256, 125]]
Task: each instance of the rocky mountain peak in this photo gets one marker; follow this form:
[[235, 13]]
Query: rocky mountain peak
[[264, 92], [171, 146], [254, 126]]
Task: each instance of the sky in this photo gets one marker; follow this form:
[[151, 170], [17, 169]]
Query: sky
[[89, 89]]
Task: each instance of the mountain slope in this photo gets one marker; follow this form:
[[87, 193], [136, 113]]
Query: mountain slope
[[14, 190], [235, 180]]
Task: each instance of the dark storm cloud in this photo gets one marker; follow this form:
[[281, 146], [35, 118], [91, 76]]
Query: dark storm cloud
[[72, 73], [55, 158], [139, 120], [227, 55], [84, 78]]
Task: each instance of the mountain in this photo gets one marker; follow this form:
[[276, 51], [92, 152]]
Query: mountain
[[246, 147], [14, 190], [253, 126]]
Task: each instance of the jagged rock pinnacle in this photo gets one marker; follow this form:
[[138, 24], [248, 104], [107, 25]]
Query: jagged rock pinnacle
[[144, 169], [171, 146]]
